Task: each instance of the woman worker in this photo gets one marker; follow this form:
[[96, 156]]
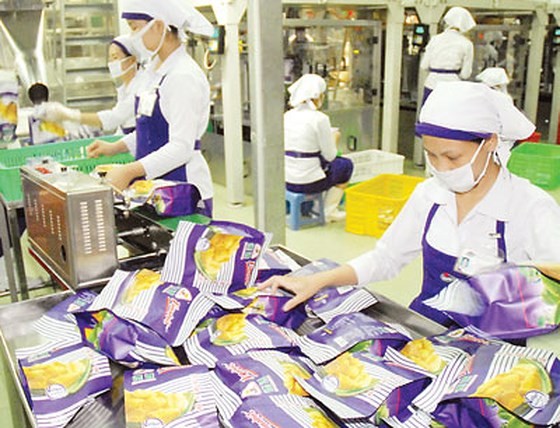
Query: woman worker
[[173, 109], [124, 66], [310, 148], [471, 207], [449, 55]]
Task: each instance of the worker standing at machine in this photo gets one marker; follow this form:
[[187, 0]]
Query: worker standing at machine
[[311, 161], [449, 55], [472, 206], [124, 66], [172, 111]]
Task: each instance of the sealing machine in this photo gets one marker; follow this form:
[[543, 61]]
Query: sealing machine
[[79, 233]]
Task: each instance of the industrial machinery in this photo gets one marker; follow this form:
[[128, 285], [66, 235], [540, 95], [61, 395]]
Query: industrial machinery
[[75, 227]]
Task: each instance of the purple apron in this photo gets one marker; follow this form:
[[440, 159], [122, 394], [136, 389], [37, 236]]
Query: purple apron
[[439, 271], [152, 133]]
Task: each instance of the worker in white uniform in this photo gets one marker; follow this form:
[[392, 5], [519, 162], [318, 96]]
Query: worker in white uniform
[[172, 111], [449, 55], [472, 207], [311, 161], [498, 79], [124, 67]]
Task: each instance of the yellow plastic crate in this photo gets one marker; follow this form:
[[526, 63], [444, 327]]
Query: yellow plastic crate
[[372, 206]]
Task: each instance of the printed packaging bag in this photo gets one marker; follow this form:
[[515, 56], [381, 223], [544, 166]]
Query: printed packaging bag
[[333, 301], [524, 381], [235, 334], [172, 311], [270, 306], [345, 331], [286, 411], [125, 342], [275, 262], [259, 373], [170, 397], [216, 257], [60, 380], [59, 323], [8, 106], [357, 384], [513, 302]]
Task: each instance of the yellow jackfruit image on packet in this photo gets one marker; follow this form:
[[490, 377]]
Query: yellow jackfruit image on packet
[[524, 381], [172, 396]]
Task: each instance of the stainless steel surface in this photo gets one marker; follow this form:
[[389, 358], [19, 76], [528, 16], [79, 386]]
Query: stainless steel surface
[[71, 224]]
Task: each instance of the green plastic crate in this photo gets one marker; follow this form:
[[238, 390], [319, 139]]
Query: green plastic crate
[[72, 153], [538, 162]]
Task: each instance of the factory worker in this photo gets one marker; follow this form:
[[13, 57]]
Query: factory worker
[[124, 67], [172, 110], [310, 147], [472, 209], [449, 55]]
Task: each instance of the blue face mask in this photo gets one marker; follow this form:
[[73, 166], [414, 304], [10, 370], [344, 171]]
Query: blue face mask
[[460, 180]]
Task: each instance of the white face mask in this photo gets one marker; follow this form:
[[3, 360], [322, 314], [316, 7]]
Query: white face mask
[[115, 68], [140, 47], [460, 180]]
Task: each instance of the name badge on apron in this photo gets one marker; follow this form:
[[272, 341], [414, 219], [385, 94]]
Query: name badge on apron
[[146, 103], [470, 262]]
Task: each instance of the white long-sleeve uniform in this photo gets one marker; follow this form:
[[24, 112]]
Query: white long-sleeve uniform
[[185, 104], [122, 114], [531, 216], [449, 50], [307, 130]]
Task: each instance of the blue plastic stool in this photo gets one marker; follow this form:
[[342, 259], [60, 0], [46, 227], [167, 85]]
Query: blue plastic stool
[[294, 203]]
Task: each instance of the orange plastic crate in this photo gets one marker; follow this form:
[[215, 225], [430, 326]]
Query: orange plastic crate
[[372, 206]]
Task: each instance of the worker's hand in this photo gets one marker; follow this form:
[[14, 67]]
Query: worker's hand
[[303, 288], [120, 177], [56, 112], [102, 148]]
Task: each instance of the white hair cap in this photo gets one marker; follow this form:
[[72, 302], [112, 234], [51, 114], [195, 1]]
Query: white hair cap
[[177, 13], [124, 42], [460, 18], [471, 108], [493, 76], [307, 87]]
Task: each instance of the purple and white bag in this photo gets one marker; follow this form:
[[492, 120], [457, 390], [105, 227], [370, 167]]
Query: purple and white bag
[[333, 301], [513, 302], [59, 323], [345, 331], [125, 342], [219, 257], [235, 334], [60, 380], [259, 373], [170, 397], [172, 311]]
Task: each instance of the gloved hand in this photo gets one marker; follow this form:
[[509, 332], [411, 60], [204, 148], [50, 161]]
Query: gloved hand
[[56, 112]]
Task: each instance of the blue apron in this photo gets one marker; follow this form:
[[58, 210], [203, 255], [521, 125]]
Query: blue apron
[[439, 271], [152, 133]]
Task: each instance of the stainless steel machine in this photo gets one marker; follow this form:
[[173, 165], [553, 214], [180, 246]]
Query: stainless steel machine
[[75, 227]]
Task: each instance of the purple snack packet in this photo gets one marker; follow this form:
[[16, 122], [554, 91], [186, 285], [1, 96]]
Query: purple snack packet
[[259, 373], [333, 301], [59, 324], [172, 311], [125, 342], [175, 199], [215, 258], [513, 302], [170, 397], [274, 262], [252, 301], [524, 381], [235, 334], [60, 380], [355, 385], [345, 331], [283, 411]]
